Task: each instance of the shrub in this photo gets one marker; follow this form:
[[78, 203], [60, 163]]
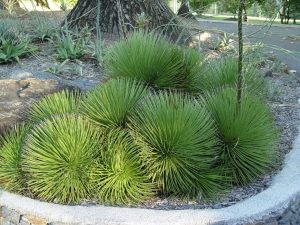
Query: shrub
[[119, 177], [64, 102], [152, 59], [11, 175], [178, 144], [109, 104], [248, 136], [223, 73], [57, 158]]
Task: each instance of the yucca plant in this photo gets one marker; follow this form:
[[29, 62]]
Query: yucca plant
[[59, 103], [43, 29], [223, 73], [178, 144], [69, 47], [248, 134], [119, 177], [150, 58], [11, 50], [11, 174], [58, 156], [6, 32], [108, 105]]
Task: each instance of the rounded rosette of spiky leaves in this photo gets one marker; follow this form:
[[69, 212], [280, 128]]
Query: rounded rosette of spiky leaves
[[150, 58], [108, 105], [119, 177], [64, 102], [11, 174], [248, 134], [178, 144], [223, 73], [57, 158]]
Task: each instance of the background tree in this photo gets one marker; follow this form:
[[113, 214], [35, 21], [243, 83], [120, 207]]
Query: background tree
[[294, 9], [201, 5], [232, 6], [269, 8]]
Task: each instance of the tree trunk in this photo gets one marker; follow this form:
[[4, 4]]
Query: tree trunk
[[240, 59], [245, 18], [123, 16], [185, 10]]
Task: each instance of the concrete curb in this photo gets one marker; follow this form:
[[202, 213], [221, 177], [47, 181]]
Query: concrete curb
[[284, 189]]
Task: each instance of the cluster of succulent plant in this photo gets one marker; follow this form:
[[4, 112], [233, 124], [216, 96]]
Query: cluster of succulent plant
[[12, 47], [158, 126]]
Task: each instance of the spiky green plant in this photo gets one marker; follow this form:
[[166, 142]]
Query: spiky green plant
[[248, 134], [11, 50], [119, 177], [150, 58], [58, 156], [109, 104], [69, 47], [58, 103], [11, 175], [6, 32], [222, 73], [43, 28], [178, 144]]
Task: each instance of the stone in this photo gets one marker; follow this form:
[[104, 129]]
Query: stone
[[16, 96], [33, 220], [24, 222]]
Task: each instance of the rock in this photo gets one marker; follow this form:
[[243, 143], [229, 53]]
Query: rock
[[33, 220], [17, 95], [20, 75]]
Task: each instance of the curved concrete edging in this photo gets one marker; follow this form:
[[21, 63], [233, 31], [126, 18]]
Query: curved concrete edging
[[284, 189]]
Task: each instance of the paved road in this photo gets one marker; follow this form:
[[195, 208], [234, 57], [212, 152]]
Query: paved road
[[271, 36]]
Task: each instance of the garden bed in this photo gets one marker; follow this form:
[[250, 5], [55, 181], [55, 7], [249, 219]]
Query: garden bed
[[284, 94], [115, 114]]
